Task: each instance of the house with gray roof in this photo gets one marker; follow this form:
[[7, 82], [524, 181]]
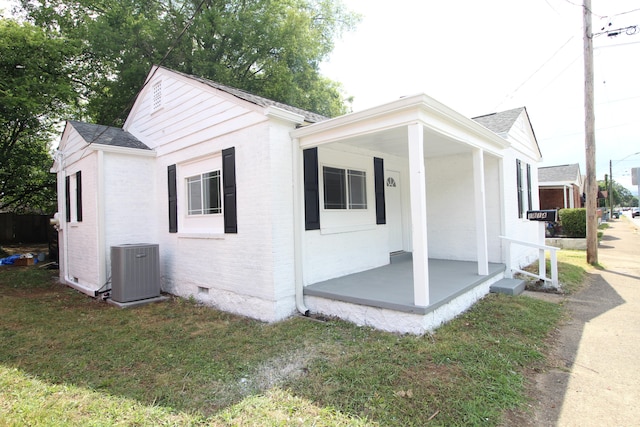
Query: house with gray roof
[[397, 217], [561, 186]]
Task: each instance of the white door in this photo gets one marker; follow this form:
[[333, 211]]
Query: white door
[[393, 202]]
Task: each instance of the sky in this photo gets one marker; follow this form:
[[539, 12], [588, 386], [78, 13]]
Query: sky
[[481, 57]]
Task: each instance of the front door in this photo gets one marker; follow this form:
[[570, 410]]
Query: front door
[[393, 200]]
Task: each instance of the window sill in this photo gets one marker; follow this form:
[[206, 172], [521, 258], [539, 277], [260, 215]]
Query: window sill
[[205, 236], [347, 229]]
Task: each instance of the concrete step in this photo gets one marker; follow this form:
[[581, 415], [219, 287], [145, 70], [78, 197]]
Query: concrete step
[[508, 286], [400, 256]]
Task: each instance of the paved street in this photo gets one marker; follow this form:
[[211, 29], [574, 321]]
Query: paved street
[[596, 381]]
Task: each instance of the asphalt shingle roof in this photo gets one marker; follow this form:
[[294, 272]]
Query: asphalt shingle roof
[[501, 122], [559, 173], [255, 99], [107, 135]]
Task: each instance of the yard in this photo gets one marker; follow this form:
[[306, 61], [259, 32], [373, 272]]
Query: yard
[[67, 359]]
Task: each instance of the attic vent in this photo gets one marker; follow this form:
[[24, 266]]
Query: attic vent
[[157, 96]]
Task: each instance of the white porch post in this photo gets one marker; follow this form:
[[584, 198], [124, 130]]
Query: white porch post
[[564, 196], [480, 212], [417, 188]]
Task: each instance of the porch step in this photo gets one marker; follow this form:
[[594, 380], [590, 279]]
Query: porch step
[[508, 286]]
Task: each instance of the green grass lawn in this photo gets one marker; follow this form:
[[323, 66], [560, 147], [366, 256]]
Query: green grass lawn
[[67, 359]]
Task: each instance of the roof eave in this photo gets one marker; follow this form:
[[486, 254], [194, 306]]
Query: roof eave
[[420, 103]]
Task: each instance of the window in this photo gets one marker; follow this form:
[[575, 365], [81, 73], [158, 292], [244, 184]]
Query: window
[[203, 194], [73, 197], [344, 188], [523, 173]]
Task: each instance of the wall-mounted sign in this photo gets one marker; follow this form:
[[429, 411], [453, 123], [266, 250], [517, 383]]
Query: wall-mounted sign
[[546, 215]]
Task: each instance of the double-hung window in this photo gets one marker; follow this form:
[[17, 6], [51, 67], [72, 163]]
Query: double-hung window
[[203, 193], [344, 188]]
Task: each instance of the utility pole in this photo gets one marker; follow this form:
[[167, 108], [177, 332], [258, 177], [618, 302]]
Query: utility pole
[[611, 189], [590, 139]]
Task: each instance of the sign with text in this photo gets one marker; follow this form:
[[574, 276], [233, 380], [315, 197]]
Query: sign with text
[[546, 215]]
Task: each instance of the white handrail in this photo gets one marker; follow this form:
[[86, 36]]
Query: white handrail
[[542, 265]]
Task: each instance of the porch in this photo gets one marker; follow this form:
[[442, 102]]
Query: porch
[[386, 294]]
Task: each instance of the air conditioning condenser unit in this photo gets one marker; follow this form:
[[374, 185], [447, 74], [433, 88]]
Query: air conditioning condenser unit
[[135, 272]]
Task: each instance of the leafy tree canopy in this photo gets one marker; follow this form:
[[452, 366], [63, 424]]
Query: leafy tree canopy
[[621, 195], [272, 48], [35, 90]]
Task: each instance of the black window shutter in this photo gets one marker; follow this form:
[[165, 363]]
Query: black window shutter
[[67, 195], [173, 199], [529, 186], [519, 184], [311, 190], [229, 190], [378, 173], [79, 196]]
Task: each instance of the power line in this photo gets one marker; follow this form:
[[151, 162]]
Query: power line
[[535, 72]]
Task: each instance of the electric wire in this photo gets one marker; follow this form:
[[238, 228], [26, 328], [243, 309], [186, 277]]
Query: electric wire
[[512, 93]]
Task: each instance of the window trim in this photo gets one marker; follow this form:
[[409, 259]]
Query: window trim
[[201, 177]]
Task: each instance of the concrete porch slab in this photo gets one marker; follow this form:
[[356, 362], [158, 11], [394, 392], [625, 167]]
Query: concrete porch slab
[[391, 286]]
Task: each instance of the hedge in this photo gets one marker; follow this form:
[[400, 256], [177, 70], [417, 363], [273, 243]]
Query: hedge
[[574, 222]]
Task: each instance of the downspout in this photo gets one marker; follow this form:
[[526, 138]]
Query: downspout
[[103, 274], [298, 214]]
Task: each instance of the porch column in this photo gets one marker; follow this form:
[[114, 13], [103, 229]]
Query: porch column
[[418, 193], [564, 196], [480, 212]]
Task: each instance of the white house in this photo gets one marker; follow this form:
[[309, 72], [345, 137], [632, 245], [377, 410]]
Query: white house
[[390, 217]]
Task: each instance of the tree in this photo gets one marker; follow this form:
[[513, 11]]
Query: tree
[[35, 90], [271, 48], [621, 195]]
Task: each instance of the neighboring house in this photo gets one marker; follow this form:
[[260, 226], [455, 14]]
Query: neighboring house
[[561, 187], [390, 217]]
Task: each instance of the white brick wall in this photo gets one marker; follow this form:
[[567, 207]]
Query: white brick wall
[[82, 237], [251, 272], [130, 214]]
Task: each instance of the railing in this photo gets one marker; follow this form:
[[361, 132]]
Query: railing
[[542, 265]]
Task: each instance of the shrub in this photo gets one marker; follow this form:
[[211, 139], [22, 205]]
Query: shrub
[[574, 222]]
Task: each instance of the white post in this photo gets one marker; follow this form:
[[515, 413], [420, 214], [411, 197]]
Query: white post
[[542, 264], [480, 212], [508, 272], [417, 188], [554, 267]]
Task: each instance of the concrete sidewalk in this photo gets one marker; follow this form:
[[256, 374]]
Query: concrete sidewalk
[[596, 381]]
